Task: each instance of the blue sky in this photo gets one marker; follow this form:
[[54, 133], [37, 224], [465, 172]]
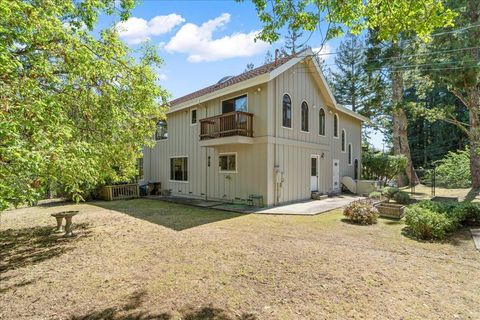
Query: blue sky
[[201, 41]]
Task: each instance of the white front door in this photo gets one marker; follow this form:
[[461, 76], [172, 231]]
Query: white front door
[[314, 173], [336, 175]]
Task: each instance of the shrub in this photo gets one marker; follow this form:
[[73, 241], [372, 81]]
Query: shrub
[[426, 224], [382, 167], [361, 212], [402, 197], [390, 192], [454, 170], [466, 213], [446, 207], [377, 195]]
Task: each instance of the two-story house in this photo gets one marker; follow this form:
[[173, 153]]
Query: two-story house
[[274, 131]]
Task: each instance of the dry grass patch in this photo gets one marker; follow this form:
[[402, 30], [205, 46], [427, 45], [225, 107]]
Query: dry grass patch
[[145, 259]]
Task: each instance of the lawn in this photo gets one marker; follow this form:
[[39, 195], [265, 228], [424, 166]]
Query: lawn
[[146, 259]]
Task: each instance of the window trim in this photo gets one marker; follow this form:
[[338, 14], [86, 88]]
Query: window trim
[[350, 155], [170, 163], [196, 119], [343, 140], [338, 126], [233, 97], [308, 116], [324, 123], [228, 154], [291, 112]]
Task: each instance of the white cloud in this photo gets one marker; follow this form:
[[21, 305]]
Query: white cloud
[[198, 43], [162, 77], [136, 30], [323, 51]]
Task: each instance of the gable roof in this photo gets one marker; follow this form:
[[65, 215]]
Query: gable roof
[[258, 76], [266, 68]]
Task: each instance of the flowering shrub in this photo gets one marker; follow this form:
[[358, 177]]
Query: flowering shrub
[[361, 212]]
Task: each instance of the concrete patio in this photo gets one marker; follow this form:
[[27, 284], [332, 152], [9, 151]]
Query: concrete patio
[[312, 207], [308, 207]]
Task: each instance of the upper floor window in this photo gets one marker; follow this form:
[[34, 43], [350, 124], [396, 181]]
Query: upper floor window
[[350, 154], [161, 133], [193, 116], [235, 104], [304, 116], [287, 111], [344, 138], [335, 126], [321, 122]]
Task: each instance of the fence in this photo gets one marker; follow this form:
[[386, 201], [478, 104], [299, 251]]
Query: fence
[[121, 191]]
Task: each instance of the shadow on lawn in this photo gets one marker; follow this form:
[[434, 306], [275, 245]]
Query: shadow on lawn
[[456, 238], [135, 301], [22, 247], [171, 215]]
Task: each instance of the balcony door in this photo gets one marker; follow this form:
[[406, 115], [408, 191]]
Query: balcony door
[[235, 104]]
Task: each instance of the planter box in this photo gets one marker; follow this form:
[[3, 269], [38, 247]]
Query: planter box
[[444, 199], [390, 210]]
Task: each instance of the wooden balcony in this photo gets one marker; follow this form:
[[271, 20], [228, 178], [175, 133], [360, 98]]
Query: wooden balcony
[[230, 124]]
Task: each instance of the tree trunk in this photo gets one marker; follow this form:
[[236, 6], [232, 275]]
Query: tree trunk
[[399, 130], [474, 135]]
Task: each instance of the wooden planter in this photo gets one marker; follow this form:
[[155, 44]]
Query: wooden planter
[[390, 210], [444, 199]]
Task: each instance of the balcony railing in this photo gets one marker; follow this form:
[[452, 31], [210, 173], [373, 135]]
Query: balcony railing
[[235, 123]]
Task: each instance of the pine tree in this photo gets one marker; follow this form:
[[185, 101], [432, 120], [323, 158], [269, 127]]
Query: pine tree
[[292, 43], [249, 67], [350, 79]]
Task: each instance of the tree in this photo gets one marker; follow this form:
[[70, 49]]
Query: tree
[[382, 167], [75, 109], [390, 17], [268, 57], [292, 45], [249, 67], [350, 80], [451, 58]]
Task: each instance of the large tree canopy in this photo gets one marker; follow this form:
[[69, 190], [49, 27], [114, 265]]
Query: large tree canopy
[[389, 17], [75, 109]]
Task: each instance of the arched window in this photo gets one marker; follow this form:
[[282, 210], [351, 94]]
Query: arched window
[[304, 116], [350, 154], [344, 138], [287, 111], [162, 132], [321, 122], [335, 126]]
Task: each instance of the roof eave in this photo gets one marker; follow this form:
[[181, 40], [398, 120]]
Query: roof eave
[[221, 92]]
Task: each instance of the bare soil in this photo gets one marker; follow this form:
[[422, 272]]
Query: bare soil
[[147, 259]]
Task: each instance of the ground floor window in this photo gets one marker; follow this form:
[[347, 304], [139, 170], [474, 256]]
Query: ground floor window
[[179, 169], [228, 162]]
